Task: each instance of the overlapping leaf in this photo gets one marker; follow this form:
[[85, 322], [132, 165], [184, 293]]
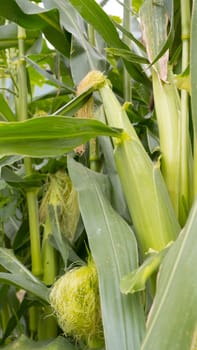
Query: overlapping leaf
[[20, 276], [49, 136], [173, 318], [113, 247], [30, 16]]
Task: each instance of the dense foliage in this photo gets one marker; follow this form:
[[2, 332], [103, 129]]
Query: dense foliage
[[98, 123]]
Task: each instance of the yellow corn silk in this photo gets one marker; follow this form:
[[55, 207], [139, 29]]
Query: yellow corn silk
[[76, 302], [60, 193]]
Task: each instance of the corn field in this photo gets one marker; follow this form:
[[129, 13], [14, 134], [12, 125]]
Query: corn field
[[98, 165]]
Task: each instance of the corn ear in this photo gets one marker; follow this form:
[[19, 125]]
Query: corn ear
[[167, 105], [148, 200]]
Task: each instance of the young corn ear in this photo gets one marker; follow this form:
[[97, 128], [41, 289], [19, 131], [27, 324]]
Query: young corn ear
[[167, 105], [176, 160], [148, 200]]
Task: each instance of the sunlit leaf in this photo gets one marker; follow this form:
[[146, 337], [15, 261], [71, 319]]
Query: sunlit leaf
[[49, 136], [173, 318]]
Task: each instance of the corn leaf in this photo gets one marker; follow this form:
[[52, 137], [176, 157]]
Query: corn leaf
[[94, 14], [20, 276], [114, 250], [8, 36], [49, 76], [84, 57], [5, 111], [30, 16], [173, 318], [49, 136], [193, 66], [127, 55], [24, 343], [136, 280]]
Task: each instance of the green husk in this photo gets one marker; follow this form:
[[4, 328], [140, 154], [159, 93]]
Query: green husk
[[147, 197]]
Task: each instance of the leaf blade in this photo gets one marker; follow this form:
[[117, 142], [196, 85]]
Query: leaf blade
[[49, 136], [113, 247], [176, 286]]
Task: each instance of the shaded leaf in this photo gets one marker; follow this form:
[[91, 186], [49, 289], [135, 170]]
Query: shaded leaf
[[193, 66], [24, 343], [114, 250], [49, 76], [84, 57], [20, 276], [8, 36], [173, 314], [94, 15], [127, 55], [30, 16], [31, 181], [60, 241]]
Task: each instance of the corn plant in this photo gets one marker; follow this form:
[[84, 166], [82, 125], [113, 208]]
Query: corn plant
[[98, 175]]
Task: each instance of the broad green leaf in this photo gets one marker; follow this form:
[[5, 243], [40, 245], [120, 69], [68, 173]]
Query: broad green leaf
[[173, 319], [114, 250], [20, 276], [5, 111], [93, 14], [193, 67], [8, 36], [127, 55], [49, 136], [30, 16], [24, 343], [27, 182], [84, 57]]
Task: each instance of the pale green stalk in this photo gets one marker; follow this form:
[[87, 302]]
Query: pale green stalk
[[93, 144], [195, 164], [31, 194], [185, 190], [127, 89], [49, 256]]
